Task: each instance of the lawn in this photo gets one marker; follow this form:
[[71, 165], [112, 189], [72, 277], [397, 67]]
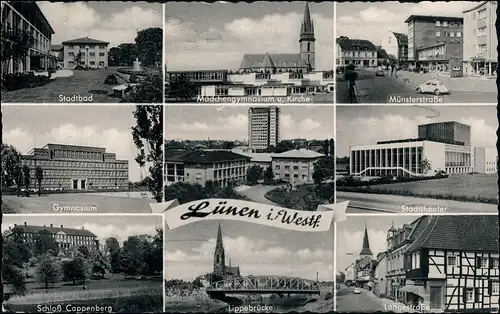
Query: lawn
[[83, 83], [292, 199], [480, 188]]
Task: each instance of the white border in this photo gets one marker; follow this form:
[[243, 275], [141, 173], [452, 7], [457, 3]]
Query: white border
[[418, 104], [84, 215], [80, 104], [419, 214], [164, 56]]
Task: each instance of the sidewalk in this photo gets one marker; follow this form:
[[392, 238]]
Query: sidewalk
[[457, 84], [389, 305]]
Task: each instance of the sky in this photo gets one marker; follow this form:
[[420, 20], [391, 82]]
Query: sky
[[112, 21], [256, 249], [360, 125], [88, 125], [374, 20], [231, 122], [350, 235], [103, 226], [202, 36]]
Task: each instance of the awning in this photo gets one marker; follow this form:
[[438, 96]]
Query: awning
[[418, 290]]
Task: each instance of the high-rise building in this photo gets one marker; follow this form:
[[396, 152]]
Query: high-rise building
[[450, 131], [76, 167], [480, 39], [263, 127]]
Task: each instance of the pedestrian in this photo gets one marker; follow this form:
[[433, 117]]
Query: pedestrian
[[396, 72], [392, 70]]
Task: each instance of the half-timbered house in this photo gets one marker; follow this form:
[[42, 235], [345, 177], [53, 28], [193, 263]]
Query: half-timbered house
[[452, 263]]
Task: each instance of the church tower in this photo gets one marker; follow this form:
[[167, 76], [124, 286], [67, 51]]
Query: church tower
[[307, 40], [365, 251], [219, 256]]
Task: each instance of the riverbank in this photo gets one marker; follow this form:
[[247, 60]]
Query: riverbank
[[191, 305], [320, 306]]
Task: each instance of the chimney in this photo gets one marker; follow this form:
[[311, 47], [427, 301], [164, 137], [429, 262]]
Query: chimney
[[44, 226], [83, 228], [51, 225], [10, 227], [15, 225], [25, 223], [62, 226]]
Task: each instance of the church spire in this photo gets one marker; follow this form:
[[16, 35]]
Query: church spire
[[219, 243], [307, 27], [366, 251]]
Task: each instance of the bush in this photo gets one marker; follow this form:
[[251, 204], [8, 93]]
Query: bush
[[351, 181], [134, 78], [79, 68], [111, 80], [21, 80]]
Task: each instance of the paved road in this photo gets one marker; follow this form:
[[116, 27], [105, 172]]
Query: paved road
[[379, 89], [256, 194], [45, 204], [369, 203], [347, 301]]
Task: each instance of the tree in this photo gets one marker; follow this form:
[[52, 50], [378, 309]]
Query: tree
[[10, 159], [18, 177], [425, 166], [228, 145], [75, 269], [115, 261], [45, 244], [184, 192], [77, 59], [39, 178], [127, 54], [269, 175], [84, 251], [149, 44], [148, 138], [180, 88], [16, 44], [150, 90], [254, 174], [15, 248], [26, 179], [331, 146], [99, 264], [112, 244], [114, 56], [324, 169], [209, 188], [326, 151], [48, 271]]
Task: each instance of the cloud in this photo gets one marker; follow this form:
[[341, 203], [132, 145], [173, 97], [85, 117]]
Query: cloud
[[117, 141], [120, 233], [257, 257], [190, 46], [354, 19], [80, 19], [236, 128], [349, 244]]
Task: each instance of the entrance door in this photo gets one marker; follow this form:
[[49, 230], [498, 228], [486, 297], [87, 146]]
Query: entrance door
[[75, 184], [436, 296], [83, 184]]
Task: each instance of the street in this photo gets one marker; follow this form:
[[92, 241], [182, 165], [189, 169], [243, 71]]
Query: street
[[379, 89], [369, 203], [347, 301], [257, 193]]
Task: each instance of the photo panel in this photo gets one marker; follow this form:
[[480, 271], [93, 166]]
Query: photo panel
[[100, 52], [83, 263], [417, 263], [417, 159], [85, 159], [256, 52], [416, 52], [227, 266]]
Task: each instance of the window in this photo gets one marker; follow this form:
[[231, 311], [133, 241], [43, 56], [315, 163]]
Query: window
[[459, 34], [287, 167], [445, 24], [481, 31], [92, 54], [481, 14], [438, 23], [101, 54], [438, 34], [495, 287], [469, 295], [452, 261], [483, 262], [494, 263], [295, 167], [452, 34], [481, 48]]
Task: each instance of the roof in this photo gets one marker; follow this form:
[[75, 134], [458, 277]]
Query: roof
[[356, 44], [234, 270], [203, 156], [476, 7], [299, 153], [54, 230], [260, 157], [307, 26], [433, 18], [402, 38], [382, 54], [56, 47], [280, 60], [460, 233], [366, 245], [85, 40]]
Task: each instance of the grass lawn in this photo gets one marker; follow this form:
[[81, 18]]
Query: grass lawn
[[480, 188], [293, 199]]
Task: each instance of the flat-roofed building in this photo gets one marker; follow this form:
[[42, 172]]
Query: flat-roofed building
[[486, 160], [86, 52], [296, 165]]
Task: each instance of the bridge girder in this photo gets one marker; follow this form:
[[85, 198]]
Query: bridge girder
[[278, 284]]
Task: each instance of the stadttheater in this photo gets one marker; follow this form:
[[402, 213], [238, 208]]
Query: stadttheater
[[267, 74]]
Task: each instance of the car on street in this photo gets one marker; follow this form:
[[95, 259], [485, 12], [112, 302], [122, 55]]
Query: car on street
[[435, 87], [357, 291], [379, 71]]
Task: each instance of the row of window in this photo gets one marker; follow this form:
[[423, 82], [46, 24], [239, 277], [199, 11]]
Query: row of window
[[74, 164], [60, 172], [95, 181], [367, 54], [91, 54], [480, 14], [483, 262], [448, 23], [303, 167], [96, 47], [30, 235], [287, 175]]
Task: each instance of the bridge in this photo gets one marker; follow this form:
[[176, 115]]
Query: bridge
[[264, 285]]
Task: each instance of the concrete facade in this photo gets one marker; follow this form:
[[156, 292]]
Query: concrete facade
[[295, 165], [485, 160], [263, 127], [94, 53]]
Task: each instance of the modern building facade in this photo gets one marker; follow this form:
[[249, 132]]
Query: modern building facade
[[439, 147], [296, 166], [263, 127], [360, 52], [26, 16], [222, 167], [220, 267], [480, 39], [485, 160], [66, 238], [396, 44], [452, 264], [93, 53], [436, 42], [74, 167]]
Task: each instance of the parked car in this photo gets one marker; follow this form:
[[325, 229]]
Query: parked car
[[379, 71], [435, 87], [357, 291]]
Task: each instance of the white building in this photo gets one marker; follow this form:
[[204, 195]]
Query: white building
[[295, 165], [263, 127], [485, 160], [407, 158], [360, 52]]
